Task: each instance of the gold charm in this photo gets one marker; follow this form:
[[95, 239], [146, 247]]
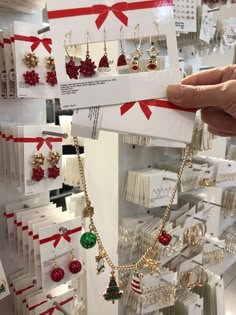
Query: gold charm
[[88, 212], [54, 158], [31, 60], [50, 63], [207, 182], [38, 159], [151, 263]]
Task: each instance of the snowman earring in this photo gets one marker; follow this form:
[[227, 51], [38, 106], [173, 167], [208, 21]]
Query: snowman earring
[[153, 62], [135, 65]]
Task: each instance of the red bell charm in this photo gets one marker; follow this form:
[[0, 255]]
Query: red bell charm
[[165, 238]]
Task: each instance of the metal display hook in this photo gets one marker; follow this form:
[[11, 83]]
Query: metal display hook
[[58, 306], [57, 134]]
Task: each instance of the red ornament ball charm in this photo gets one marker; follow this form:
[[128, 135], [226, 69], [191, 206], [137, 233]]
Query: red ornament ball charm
[[53, 172], [37, 174], [87, 67], [75, 267], [72, 70], [51, 78], [31, 77], [57, 274], [165, 238]]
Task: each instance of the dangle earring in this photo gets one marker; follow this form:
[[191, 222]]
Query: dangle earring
[[75, 266], [71, 69], [38, 171], [57, 274], [104, 62], [51, 76], [31, 61], [135, 65], [122, 65], [87, 67], [53, 159], [153, 62]]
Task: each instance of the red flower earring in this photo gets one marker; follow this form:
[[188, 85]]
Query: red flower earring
[[87, 67], [38, 172], [53, 159], [31, 61], [51, 77]]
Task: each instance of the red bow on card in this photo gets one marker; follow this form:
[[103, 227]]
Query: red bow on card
[[156, 103], [41, 141], [37, 41], [103, 11], [65, 235], [50, 311]]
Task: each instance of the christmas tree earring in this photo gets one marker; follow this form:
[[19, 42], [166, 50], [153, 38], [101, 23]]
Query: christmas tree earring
[[75, 266], [31, 61], [57, 273], [104, 62], [51, 77], [53, 159], [153, 53], [122, 65], [135, 65], [38, 172], [87, 67]]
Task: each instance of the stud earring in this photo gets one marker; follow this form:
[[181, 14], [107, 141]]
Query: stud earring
[[51, 76], [122, 65], [135, 65], [38, 172], [87, 67], [31, 78], [75, 266], [57, 274], [104, 62], [153, 53], [53, 159], [30, 60]]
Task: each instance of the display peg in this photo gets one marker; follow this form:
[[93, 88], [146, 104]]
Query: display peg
[[213, 204], [56, 134], [213, 10], [58, 306], [44, 30]]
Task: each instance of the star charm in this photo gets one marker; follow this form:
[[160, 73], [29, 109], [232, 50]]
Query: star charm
[[38, 159], [151, 263], [54, 158]]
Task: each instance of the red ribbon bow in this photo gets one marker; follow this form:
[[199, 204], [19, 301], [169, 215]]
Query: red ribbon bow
[[117, 9], [37, 41], [58, 237], [156, 103], [40, 141]]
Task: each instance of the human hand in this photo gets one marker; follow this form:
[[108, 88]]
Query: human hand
[[214, 92]]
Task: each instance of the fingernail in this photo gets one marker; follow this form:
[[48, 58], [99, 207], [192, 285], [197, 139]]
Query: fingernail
[[174, 93]]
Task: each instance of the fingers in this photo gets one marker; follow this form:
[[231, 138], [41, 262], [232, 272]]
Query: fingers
[[219, 133], [222, 96], [212, 76], [219, 122]]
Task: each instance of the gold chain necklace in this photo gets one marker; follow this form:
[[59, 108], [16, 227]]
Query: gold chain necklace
[[149, 259]]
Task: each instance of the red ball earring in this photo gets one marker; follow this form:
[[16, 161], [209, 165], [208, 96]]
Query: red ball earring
[[57, 274], [75, 266]]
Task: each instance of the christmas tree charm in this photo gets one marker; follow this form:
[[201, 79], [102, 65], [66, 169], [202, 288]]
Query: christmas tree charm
[[88, 240], [31, 77], [113, 292], [153, 53], [2, 286], [72, 70], [30, 60], [104, 64], [100, 264], [165, 238], [50, 63], [136, 282], [87, 67], [57, 274], [53, 172], [37, 174], [51, 78], [135, 61]]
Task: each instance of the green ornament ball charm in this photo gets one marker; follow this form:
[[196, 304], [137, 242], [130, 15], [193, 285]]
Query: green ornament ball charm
[[88, 240]]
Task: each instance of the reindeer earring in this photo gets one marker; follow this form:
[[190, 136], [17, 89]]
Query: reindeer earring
[[153, 53], [122, 65], [135, 65]]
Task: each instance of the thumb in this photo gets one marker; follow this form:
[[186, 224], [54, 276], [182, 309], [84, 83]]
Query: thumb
[[200, 96]]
